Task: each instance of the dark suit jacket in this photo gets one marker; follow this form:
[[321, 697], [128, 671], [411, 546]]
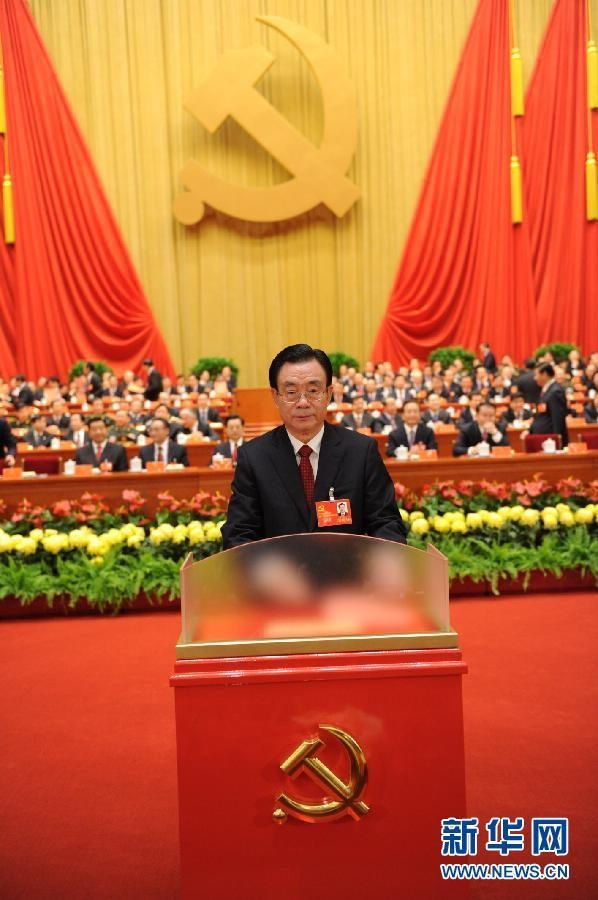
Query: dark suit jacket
[[24, 396], [212, 416], [472, 435], [590, 414], [94, 384], [526, 385], [443, 417], [268, 498], [489, 362], [37, 440], [508, 417], [398, 438], [113, 453], [8, 444], [367, 421], [176, 454], [154, 385], [383, 420], [224, 449], [553, 419]]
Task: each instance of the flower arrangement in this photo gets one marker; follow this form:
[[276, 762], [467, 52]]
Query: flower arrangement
[[84, 549]]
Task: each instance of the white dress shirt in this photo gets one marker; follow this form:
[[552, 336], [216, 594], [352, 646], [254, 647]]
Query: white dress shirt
[[314, 446], [164, 446]]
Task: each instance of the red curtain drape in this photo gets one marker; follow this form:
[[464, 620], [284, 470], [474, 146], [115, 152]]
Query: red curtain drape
[[555, 142], [74, 292], [465, 273]]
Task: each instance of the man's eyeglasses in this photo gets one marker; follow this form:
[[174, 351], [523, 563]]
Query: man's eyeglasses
[[312, 395]]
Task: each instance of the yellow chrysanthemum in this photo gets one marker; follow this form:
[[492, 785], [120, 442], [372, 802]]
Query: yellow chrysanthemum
[[529, 517], [420, 526]]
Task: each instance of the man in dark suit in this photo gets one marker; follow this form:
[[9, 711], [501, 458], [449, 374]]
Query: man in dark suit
[[525, 383], [205, 413], [517, 412], [235, 434], [191, 425], [281, 475], [483, 431], [551, 410], [468, 414], [94, 384], [99, 452], [590, 412], [21, 395], [434, 414], [358, 417], [153, 388], [411, 433], [8, 444], [488, 358], [78, 433], [389, 418], [36, 435], [163, 449]]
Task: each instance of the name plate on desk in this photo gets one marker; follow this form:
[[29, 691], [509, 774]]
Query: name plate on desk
[[83, 469], [502, 451], [578, 447], [155, 466], [13, 472]]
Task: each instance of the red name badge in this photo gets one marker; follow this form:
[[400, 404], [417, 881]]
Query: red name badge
[[541, 407], [333, 512]]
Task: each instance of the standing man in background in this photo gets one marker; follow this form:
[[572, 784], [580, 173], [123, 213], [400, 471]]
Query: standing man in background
[[280, 475], [154, 381], [551, 411]]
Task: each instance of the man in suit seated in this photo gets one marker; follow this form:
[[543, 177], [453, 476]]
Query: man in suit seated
[[154, 381], [163, 449], [590, 412], [235, 433], [483, 431], [205, 413], [281, 476], [36, 435], [190, 425], [517, 412], [389, 418], [468, 414], [411, 433], [99, 452], [358, 417], [59, 420], [78, 432], [434, 414], [97, 412], [21, 394]]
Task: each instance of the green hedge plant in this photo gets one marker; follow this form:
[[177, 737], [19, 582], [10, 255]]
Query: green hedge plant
[[447, 355]]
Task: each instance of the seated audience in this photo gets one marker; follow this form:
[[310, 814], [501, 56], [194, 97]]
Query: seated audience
[[163, 449], [371, 391], [21, 394], [36, 435], [99, 452], [468, 414], [402, 392], [411, 433], [59, 420], [205, 413], [481, 432], [358, 417], [434, 414], [113, 387], [235, 434]]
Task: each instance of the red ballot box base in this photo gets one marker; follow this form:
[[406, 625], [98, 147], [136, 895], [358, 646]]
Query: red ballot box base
[[239, 720]]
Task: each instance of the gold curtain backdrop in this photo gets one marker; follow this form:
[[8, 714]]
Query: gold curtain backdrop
[[221, 288]]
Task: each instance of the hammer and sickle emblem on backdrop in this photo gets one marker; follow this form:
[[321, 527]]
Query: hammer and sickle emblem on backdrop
[[318, 172], [340, 798]]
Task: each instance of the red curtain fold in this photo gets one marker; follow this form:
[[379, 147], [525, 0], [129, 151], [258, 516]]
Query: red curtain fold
[[465, 274], [564, 244], [7, 291], [75, 293]]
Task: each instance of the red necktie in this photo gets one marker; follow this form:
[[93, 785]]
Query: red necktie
[[234, 452], [307, 474], [160, 454]]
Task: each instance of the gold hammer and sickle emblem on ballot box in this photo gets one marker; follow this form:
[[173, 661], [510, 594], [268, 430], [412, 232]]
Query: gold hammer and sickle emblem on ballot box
[[319, 172], [345, 799]]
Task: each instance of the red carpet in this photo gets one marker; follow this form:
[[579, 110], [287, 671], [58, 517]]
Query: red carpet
[[88, 791]]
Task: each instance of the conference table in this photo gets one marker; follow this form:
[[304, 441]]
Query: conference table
[[43, 490]]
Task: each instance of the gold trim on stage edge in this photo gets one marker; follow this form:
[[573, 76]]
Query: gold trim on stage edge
[[268, 647]]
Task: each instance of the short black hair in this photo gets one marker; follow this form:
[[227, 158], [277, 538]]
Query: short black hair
[[164, 422], [530, 363], [20, 378], [148, 362], [37, 417], [234, 416], [296, 353], [489, 405], [90, 366], [93, 419], [411, 400], [517, 396], [547, 369]]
